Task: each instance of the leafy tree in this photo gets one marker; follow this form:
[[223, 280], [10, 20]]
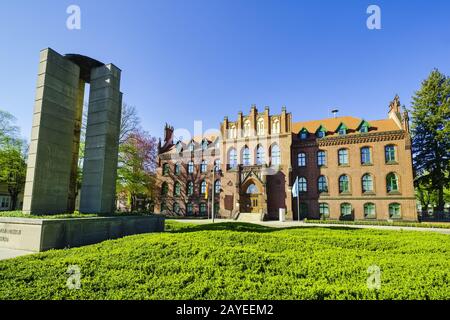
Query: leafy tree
[[8, 131], [13, 152], [431, 134], [137, 164]]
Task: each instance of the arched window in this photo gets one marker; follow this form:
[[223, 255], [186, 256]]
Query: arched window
[[189, 208], [191, 166], [324, 210], [390, 154], [369, 211], [232, 158], [322, 184], [276, 126], [301, 159], [366, 156], [217, 165], [191, 147], [260, 155], [177, 189], [321, 158], [176, 207], [217, 186], [163, 206], [203, 187], [204, 145], [177, 169], [367, 183], [344, 184], [190, 188], [166, 169], [275, 155], [247, 127], [260, 127], [203, 208], [391, 182], [164, 188], [246, 157], [395, 211], [204, 166], [343, 157], [252, 189], [346, 210], [302, 184]]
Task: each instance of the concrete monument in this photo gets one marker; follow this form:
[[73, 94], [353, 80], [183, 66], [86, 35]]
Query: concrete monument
[[51, 182]]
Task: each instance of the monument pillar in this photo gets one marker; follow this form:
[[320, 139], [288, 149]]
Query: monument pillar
[[98, 190], [52, 173], [50, 154]]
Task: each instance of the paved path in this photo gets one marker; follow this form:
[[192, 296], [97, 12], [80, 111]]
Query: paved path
[[11, 253], [279, 224]]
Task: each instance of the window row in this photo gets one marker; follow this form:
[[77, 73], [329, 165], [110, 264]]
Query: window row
[[366, 157], [347, 211], [190, 167], [190, 188], [192, 146], [260, 156], [367, 183]]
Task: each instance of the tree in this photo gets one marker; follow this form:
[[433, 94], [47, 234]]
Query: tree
[[13, 150], [130, 122], [137, 165], [8, 131], [431, 134]]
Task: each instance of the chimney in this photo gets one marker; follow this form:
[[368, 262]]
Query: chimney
[[168, 134], [335, 112]]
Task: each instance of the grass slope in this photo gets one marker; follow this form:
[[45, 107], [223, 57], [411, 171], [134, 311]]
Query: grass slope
[[240, 261]]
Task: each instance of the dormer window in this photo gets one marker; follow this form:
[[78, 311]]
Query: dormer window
[[342, 129], [303, 134], [321, 132], [364, 127], [179, 147]]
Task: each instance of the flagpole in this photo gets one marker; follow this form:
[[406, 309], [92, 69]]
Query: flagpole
[[213, 184], [298, 203]]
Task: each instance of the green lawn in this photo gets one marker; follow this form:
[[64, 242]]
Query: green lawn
[[240, 261]]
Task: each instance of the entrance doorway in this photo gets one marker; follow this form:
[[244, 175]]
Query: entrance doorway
[[252, 200]]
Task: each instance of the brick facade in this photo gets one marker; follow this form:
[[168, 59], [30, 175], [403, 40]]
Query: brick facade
[[258, 163]]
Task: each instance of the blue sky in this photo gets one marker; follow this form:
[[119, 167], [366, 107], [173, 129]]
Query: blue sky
[[201, 60]]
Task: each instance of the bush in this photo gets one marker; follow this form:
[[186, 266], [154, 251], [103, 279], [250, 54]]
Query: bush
[[239, 261]]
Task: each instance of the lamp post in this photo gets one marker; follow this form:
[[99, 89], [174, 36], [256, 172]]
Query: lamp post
[[213, 184]]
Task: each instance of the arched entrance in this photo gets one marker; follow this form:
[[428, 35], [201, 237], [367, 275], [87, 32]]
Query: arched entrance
[[252, 198]]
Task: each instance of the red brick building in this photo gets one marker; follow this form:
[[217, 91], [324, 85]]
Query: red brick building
[[346, 168]]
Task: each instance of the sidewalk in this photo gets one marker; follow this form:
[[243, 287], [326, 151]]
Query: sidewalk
[[287, 224], [11, 253]]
